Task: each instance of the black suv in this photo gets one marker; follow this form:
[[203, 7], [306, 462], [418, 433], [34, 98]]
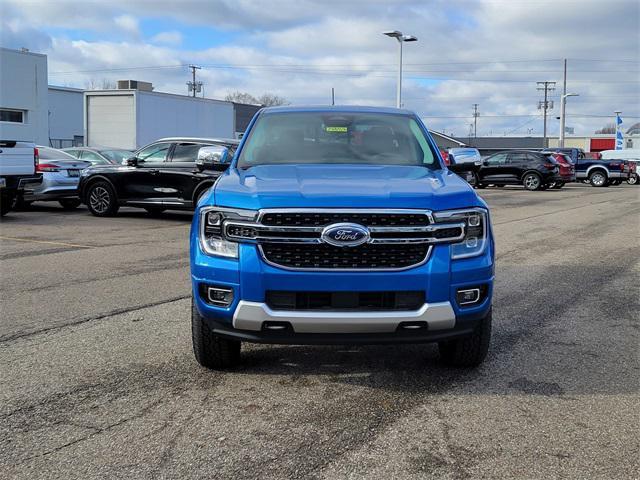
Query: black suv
[[533, 170], [163, 175]]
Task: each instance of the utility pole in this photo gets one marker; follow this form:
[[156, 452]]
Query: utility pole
[[193, 86], [476, 114], [333, 96], [545, 105]]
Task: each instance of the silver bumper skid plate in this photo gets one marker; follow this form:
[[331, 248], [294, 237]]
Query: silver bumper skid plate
[[251, 315]]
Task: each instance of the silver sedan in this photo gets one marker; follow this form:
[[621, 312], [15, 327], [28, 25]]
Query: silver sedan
[[60, 176]]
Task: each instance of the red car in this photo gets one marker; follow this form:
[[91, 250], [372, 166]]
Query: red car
[[566, 170], [445, 156]]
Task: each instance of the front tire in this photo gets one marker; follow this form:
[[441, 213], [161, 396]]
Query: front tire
[[469, 351], [101, 200], [598, 179], [69, 203], [532, 181], [633, 179], [6, 202], [211, 350]]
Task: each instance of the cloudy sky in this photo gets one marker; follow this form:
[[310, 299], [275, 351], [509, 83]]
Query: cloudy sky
[[490, 52]]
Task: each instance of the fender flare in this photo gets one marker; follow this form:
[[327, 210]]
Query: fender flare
[[527, 172], [83, 193], [596, 167], [201, 187]]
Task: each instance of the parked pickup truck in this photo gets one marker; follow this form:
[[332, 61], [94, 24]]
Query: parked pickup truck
[[339, 225], [602, 173], [17, 171], [596, 171]]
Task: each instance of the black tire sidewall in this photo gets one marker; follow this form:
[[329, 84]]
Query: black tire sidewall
[[593, 176]]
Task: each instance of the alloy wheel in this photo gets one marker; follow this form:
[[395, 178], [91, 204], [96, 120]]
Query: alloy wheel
[[100, 199], [532, 182], [597, 179]]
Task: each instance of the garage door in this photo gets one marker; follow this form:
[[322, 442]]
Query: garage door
[[600, 144], [111, 121]]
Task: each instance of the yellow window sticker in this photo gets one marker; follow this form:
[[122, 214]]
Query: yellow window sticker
[[336, 129]]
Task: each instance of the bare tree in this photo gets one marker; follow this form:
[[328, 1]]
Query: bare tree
[[266, 99], [270, 100], [241, 97], [103, 84], [608, 128]]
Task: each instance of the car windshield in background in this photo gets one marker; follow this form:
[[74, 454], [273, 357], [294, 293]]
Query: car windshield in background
[[53, 154], [116, 156], [336, 138]]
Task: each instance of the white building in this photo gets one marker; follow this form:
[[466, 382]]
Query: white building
[[133, 117], [24, 103], [66, 128]]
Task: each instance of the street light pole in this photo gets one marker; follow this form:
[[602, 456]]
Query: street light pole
[[401, 38], [399, 82], [563, 106]]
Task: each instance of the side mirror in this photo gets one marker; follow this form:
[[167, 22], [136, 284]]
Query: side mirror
[[485, 163], [213, 158], [132, 162]]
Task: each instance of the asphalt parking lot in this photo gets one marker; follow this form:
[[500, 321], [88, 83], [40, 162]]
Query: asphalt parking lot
[[98, 379]]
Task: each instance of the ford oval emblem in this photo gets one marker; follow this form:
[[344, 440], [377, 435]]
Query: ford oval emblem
[[345, 235]]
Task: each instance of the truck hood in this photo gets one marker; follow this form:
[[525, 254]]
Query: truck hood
[[343, 186]]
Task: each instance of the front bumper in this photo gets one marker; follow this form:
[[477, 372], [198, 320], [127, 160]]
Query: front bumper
[[462, 328], [248, 318]]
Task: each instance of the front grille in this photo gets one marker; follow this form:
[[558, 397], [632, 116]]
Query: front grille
[[437, 234], [321, 219], [367, 256], [340, 301]]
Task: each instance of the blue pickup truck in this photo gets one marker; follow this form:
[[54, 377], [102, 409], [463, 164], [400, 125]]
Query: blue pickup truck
[[339, 225], [597, 172]]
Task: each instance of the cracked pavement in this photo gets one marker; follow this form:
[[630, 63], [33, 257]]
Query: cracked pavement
[[98, 379]]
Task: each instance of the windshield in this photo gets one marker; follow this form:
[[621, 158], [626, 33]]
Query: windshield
[[45, 153], [116, 156], [336, 138]]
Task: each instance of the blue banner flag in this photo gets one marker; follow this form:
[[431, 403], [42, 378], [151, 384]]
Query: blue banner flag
[[619, 133]]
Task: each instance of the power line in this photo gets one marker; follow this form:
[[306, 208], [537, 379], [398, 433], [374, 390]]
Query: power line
[[300, 65]]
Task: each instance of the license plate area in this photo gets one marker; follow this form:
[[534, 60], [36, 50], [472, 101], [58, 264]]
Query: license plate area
[[73, 172]]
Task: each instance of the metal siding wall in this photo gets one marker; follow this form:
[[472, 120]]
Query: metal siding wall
[[65, 114], [23, 86], [161, 115], [111, 121]]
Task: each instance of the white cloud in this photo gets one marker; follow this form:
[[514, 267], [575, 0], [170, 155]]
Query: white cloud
[[128, 24], [169, 38]]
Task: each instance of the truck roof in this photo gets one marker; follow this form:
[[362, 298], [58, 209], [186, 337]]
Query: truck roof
[[337, 108]]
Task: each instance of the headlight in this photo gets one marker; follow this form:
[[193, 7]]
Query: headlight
[[476, 222], [211, 237]]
